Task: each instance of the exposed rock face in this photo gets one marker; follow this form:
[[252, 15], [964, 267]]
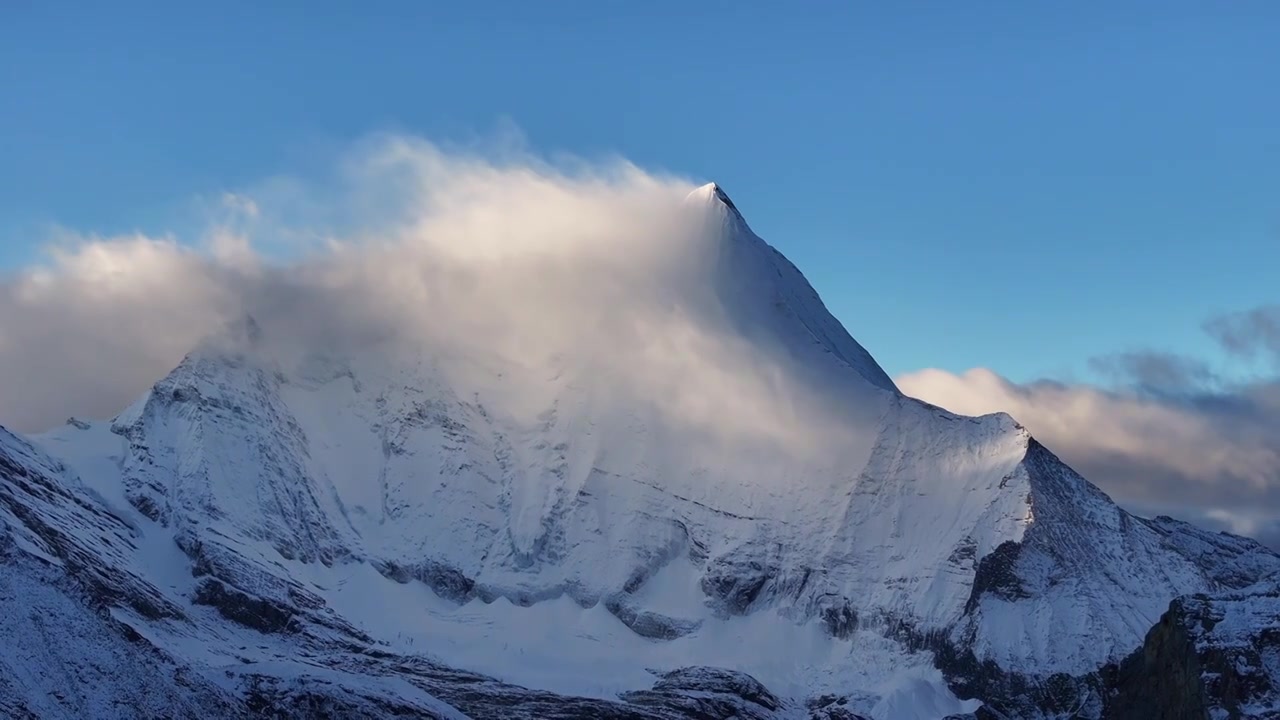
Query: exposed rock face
[[831, 707], [709, 693], [1163, 678], [261, 615], [1210, 656]]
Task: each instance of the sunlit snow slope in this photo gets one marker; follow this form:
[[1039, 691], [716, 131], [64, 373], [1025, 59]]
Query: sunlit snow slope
[[747, 491]]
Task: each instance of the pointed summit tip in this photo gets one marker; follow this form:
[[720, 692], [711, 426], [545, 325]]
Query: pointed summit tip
[[712, 192]]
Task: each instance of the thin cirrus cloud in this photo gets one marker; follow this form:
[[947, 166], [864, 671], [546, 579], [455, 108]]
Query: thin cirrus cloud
[[1170, 437]]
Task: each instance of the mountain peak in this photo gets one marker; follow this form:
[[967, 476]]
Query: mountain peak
[[711, 193]]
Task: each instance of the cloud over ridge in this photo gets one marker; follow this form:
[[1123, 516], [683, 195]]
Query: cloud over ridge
[[498, 256], [584, 266], [1170, 438]]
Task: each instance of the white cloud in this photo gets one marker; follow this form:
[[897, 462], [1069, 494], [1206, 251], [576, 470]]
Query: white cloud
[[1212, 457], [508, 260], [98, 321]]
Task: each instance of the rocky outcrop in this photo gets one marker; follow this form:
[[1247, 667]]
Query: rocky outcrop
[[444, 580], [831, 707], [245, 609], [1210, 656], [647, 623], [708, 694]]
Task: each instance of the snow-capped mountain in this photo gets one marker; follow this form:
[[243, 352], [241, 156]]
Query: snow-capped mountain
[[415, 526]]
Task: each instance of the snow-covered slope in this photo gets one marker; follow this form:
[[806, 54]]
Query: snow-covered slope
[[789, 515]]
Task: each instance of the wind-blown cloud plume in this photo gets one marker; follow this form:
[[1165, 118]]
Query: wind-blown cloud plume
[[100, 322], [505, 261]]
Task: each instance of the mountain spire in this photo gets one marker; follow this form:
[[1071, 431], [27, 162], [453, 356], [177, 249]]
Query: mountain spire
[[712, 194]]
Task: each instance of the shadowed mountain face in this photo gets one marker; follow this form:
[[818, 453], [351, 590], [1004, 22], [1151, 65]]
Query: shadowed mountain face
[[718, 507]]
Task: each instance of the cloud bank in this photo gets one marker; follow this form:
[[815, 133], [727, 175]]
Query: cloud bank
[[483, 259], [1170, 438]]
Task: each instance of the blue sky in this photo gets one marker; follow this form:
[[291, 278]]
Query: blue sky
[[1022, 188]]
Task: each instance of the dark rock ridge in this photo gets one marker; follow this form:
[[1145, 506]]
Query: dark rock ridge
[[1210, 657], [252, 612]]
